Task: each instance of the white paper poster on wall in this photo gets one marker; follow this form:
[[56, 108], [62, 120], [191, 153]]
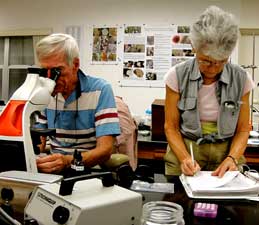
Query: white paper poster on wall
[[150, 51], [181, 45], [104, 45], [75, 31]]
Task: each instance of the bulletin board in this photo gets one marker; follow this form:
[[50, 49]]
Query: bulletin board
[[150, 51], [144, 52]]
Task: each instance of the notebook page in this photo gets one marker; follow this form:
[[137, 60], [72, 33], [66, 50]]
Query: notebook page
[[204, 180]]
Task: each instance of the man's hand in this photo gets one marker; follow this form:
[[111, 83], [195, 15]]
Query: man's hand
[[53, 163], [188, 167]]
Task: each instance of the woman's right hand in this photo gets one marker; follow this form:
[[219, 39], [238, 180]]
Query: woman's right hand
[[188, 167]]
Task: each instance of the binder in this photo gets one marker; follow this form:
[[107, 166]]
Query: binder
[[233, 185]]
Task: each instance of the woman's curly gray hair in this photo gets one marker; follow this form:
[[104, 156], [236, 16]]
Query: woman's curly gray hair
[[215, 33]]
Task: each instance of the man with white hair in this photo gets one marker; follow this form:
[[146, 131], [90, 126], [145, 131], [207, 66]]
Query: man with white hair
[[82, 110]]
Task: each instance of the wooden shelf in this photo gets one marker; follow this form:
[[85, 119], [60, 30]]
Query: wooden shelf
[[249, 31], [148, 149], [156, 155], [155, 150]]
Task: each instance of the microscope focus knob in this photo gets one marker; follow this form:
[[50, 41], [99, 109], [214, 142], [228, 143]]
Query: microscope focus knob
[[7, 194], [60, 215]]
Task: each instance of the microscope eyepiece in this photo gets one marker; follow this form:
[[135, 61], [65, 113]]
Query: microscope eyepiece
[[35, 70], [43, 72], [54, 73]]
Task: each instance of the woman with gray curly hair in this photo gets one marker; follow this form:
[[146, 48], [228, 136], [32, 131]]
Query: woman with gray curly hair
[[207, 101]]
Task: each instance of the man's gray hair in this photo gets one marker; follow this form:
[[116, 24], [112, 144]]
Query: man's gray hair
[[57, 44], [215, 33]]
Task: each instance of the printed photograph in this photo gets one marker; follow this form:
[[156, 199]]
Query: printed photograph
[[150, 40], [132, 30], [183, 29], [151, 76], [181, 39], [134, 48], [150, 51]]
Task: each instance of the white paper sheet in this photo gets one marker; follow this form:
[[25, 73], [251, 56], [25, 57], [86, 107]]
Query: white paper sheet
[[203, 180]]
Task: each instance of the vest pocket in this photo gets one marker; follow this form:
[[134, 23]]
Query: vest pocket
[[188, 110], [229, 117]]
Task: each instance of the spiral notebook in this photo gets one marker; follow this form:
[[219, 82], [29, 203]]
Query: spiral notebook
[[233, 185]]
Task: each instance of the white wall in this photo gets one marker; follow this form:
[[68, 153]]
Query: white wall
[[57, 14], [249, 14]]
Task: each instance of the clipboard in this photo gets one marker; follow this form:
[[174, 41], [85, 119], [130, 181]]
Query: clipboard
[[230, 190]]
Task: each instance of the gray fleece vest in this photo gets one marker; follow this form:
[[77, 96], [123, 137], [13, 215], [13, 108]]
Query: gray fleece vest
[[229, 92]]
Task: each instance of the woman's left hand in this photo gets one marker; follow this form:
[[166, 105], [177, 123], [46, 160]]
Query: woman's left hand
[[227, 165]]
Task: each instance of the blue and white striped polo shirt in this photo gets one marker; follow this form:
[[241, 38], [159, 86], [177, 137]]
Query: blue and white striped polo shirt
[[79, 121]]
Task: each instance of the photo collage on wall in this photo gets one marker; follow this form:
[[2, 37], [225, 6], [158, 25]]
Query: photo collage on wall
[[147, 52], [150, 51], [104, 44]]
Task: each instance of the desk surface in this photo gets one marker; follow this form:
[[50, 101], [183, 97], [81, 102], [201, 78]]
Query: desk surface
[[230, 212]]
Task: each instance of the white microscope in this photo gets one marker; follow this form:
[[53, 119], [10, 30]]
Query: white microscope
[[15, 128], [73, 201]]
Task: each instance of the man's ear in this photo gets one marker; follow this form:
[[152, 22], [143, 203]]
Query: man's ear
[[76, 62]]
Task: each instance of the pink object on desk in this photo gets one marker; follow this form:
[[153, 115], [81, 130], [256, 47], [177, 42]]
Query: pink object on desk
[[205, 210]]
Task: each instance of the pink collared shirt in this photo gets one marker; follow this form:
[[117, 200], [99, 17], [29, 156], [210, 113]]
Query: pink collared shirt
[[207, 101]]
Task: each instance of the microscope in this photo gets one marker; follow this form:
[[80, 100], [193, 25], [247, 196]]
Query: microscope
[[91, 199], [18, 169], [15, 122]]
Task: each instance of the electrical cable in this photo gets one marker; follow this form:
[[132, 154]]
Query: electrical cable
[[9, 219]]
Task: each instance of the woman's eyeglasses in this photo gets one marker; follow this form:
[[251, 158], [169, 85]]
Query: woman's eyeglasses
[[211, 63], [54, 73]]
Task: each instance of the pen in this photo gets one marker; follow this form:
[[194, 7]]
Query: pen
[[191, 150]]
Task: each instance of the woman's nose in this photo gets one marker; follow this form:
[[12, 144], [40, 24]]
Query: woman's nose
[[214, 69]]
